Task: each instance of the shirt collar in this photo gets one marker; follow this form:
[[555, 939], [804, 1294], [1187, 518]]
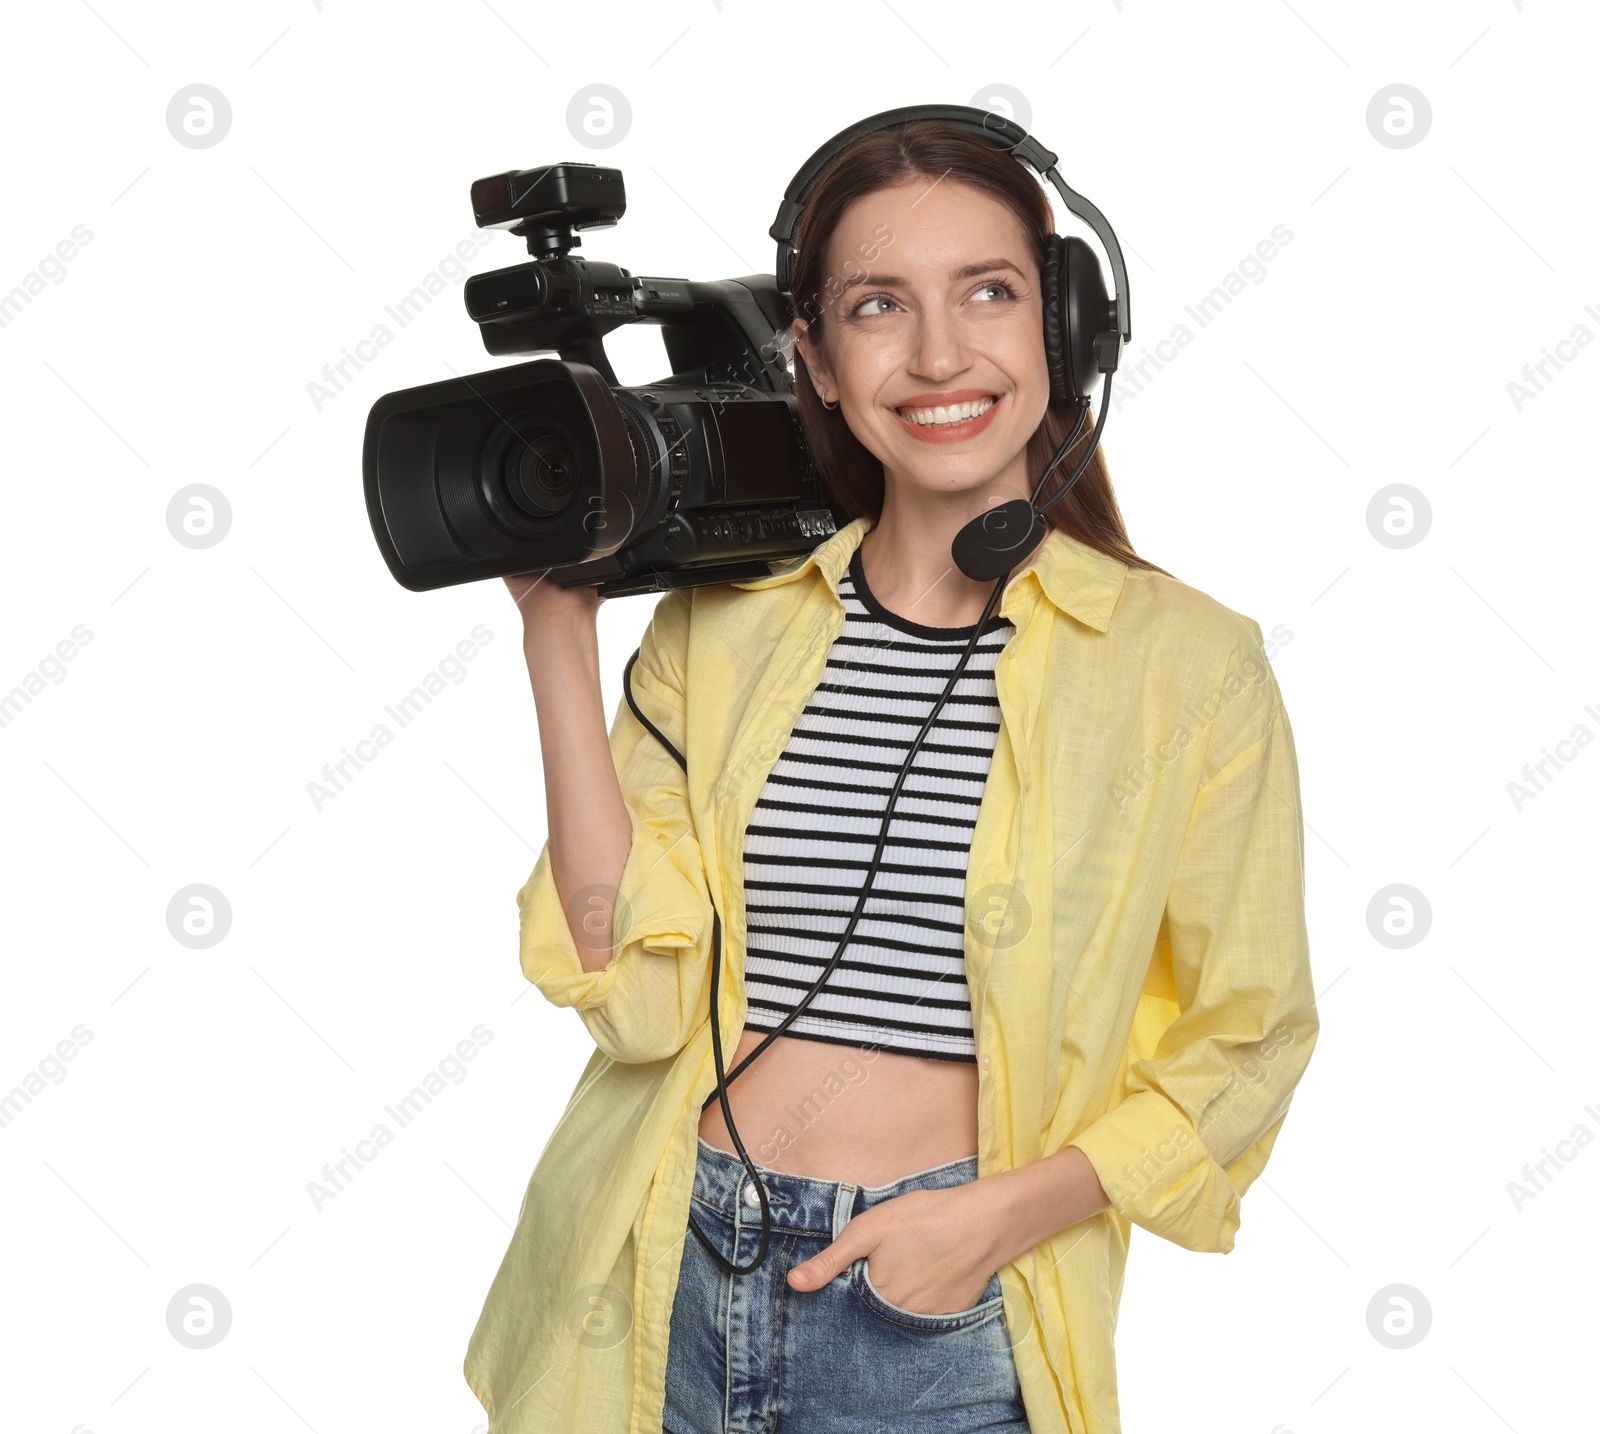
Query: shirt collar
[[1082, 581]]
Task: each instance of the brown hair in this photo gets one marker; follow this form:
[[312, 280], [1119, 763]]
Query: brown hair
[[851, 474]]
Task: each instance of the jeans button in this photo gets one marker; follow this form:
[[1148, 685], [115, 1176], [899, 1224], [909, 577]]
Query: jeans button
[[751, 1195]]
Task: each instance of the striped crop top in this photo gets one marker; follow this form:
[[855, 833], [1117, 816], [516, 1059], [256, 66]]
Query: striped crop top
[[901, 984]]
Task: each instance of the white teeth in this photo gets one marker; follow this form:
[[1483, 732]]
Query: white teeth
[[948, 413]]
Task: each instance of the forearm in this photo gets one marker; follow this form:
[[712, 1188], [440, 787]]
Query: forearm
[[1033, 1202], [589, 827]]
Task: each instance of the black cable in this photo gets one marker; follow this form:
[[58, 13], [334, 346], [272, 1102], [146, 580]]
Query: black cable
[[1061, 452], [724, 1077]]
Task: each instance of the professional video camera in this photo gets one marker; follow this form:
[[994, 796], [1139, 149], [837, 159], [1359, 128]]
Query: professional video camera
[[701, 477]]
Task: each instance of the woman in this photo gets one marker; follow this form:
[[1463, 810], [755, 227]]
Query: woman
[[1079, 997]]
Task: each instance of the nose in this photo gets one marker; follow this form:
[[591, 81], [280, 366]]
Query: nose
[[941, 349]]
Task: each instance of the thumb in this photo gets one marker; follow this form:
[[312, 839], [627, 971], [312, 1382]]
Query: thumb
[[828, 1262]]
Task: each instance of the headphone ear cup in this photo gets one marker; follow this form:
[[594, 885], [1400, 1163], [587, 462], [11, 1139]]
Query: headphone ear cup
[[1087, 314], [1055, 321]]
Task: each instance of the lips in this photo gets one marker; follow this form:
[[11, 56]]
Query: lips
[[951, 432], [946, 399]]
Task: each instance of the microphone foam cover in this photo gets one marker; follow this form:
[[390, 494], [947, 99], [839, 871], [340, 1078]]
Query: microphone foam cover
[[996, 541]]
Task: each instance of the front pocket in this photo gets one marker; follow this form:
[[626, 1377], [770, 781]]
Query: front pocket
[[987, 1308]]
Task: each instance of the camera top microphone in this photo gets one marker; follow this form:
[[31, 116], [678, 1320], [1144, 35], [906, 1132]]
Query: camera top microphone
[[544, 206]]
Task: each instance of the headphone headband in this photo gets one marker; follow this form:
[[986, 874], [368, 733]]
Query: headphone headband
[[1006, 133]]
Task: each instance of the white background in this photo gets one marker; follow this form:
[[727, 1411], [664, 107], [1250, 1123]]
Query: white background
[[371, 936]]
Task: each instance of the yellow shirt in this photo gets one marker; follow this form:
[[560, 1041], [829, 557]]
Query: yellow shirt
[[1136, 956]]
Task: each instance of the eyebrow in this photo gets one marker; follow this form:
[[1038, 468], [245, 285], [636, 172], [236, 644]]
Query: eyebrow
[[966, 271]]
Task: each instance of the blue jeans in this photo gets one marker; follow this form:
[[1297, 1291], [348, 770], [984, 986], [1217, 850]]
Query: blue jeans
[[748, 1353]]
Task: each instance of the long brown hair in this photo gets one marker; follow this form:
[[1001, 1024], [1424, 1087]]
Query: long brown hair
[[852, 475]]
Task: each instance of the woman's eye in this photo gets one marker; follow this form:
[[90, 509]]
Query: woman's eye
[[862, 308], [1001, 285]]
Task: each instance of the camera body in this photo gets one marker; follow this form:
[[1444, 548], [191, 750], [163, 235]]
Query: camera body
[[700, 477]]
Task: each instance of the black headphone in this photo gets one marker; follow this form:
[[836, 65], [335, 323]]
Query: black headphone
[[1083, 329], [1083, 334]]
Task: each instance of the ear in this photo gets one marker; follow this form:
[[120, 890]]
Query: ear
[[816, 364]]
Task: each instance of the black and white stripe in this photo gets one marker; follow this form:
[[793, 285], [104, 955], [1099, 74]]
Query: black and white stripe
[[901, 983]]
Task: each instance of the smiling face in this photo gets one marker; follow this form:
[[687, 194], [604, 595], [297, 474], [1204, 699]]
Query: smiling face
[[936, 353]]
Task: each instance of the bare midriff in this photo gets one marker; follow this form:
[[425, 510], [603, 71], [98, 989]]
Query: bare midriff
[[846, 1113]]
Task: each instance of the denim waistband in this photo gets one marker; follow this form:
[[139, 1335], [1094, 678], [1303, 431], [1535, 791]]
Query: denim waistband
[[799, 1202]]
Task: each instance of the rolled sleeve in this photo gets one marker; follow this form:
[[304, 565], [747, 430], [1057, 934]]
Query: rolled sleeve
[[646, 1002], [1198, 1118]]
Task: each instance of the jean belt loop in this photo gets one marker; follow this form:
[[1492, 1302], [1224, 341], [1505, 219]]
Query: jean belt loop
[[843, 1204]]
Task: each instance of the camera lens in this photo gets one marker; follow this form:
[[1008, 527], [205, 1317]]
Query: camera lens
[[517, 469], [541, 475], [529, 472]]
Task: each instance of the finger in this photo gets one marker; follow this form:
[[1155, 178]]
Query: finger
[[828, 1262]]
